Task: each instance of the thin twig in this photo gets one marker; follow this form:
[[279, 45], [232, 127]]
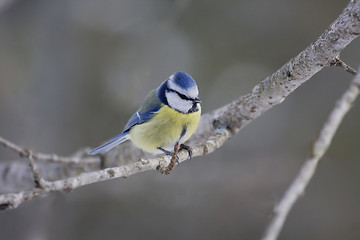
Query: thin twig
[[307, 171], [40, 182], [4, 4], [339, 63], [47, 157], [12, 146]]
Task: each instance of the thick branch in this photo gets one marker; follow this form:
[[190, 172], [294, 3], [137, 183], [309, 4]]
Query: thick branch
[[307, 171], [228, 119], [273, 90]]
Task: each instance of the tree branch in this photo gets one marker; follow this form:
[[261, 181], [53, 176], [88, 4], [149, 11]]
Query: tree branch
[[42, 186], [339, 63], [4, 4], [297, 188], [77, 158], [215, 127]]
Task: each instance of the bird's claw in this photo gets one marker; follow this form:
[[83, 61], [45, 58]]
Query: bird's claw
[[187, 148]]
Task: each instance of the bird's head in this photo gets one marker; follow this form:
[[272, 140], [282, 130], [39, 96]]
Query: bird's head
[[180, 92]]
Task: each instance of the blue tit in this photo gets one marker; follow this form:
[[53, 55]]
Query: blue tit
[[169, 114]]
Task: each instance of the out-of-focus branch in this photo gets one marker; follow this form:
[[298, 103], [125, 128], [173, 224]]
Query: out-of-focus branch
[[216, 127], [307, 171], [48, 157], [5, 4]]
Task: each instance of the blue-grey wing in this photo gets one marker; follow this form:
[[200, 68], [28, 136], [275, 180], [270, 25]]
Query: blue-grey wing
[[139, 118], [151, 105]]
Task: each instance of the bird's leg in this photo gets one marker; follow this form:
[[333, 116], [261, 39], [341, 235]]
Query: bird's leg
[[174, 158], [173, 161], [169, 153]]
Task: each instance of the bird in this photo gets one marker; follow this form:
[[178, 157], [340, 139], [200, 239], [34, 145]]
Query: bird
[[169, 115]]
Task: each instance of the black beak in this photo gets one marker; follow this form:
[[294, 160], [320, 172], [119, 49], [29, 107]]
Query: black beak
[[195, 106], [197, 100]]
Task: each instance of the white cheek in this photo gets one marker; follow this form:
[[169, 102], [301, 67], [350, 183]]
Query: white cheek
[[177, 103]]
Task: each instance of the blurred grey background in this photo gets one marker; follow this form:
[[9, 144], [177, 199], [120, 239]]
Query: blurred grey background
[[72, 72]]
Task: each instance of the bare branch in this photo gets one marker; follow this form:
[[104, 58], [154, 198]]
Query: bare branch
[[78, 159], [307, 171], [4, 4], [339, 63], [273, 90], [12, 146], [38, 179], [13, 200], [216, 127]]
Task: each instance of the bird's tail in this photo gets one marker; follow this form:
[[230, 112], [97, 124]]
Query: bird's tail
[[110, 144]]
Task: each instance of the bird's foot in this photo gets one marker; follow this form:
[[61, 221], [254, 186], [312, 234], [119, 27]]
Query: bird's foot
[[187, 148]]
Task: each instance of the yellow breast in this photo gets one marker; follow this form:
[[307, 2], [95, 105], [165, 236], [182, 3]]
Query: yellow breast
[[164, 129]]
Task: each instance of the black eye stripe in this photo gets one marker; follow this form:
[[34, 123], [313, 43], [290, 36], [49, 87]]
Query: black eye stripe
[[182, 96]]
